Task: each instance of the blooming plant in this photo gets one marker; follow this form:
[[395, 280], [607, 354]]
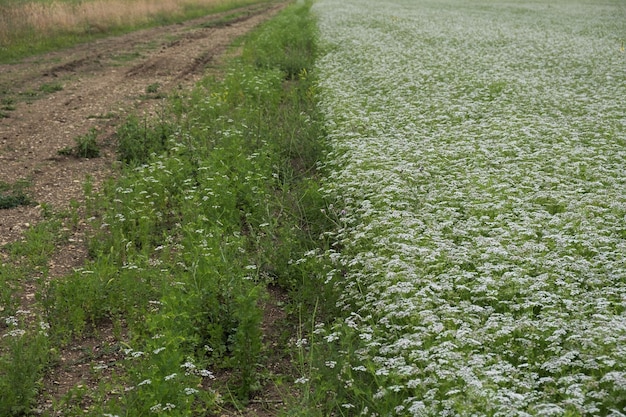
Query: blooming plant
[[478, 155]]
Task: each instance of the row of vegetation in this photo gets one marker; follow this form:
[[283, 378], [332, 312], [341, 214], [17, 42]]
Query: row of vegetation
[[28, 26], [216, 202]]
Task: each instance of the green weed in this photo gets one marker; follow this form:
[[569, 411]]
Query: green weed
[[7, 104], [139, 139], [49, 88], [153, 88], [14, 195], [26, 349], [24, 357], [86, 146], [288, 43], [126, 57]]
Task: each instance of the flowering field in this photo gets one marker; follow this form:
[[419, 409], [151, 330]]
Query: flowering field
[[479, 164]]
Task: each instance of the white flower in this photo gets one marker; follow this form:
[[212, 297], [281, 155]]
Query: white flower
[[206, 373], [11, 321], [15, 333]]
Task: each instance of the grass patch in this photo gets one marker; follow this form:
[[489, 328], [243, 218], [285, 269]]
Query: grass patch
[[14, 195], [49, 88], [86, 146], [7, 104], [153, 92], [126, 57]]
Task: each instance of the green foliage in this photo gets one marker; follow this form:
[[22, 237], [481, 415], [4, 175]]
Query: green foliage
[[38, 244], [86, 146], [153, 88], [10, 275], [246, 341], [287, 43], [98, 293], [49, 88], [13, 199], [138, 140], [215, 203], [7, 104], [25, 355], [13, 195], [25, 347]]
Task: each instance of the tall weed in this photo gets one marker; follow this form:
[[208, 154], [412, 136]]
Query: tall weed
[[25, 354]]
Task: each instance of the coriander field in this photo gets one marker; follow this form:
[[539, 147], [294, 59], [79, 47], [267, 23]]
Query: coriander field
[[478, 170]]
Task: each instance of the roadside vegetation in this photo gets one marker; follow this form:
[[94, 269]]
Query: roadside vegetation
[[33, 26], [214, 204]]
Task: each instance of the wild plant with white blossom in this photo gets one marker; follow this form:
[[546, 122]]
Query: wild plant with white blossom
[[479, 158]]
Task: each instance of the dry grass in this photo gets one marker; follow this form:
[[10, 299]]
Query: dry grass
[[58, 17]]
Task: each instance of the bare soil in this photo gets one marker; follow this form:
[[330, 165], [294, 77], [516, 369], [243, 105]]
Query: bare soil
[[98, 85]]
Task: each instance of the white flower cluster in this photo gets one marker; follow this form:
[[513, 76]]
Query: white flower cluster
[[479, 150]]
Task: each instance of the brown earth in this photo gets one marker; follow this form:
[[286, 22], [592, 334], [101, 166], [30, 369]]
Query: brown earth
[[98, 85]]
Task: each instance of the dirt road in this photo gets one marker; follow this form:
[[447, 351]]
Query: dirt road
[[98, 85], [47, 101]]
